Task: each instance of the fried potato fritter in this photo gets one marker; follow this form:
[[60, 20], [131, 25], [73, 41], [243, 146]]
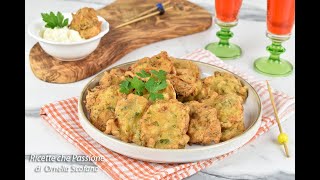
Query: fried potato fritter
[[229, 108], [185, 86], [235, 130], [204, 125], [86, 22], [113, 77], [188, 67], [230, 113], [158, 62], [128, 112], [206, 97], [186, 81], [225, 83], [112, 127], [165, 124], [101, 103]]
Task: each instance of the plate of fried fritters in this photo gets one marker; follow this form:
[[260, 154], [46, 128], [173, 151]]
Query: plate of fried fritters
[[168, 110]]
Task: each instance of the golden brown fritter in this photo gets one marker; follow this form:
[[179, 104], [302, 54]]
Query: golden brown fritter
[[86, 22], [229, 108], [101, 118], [131, 74], [204, 125], [187, 87], [165, 124], [204, 94], [235, 130], [158, 62], [230, 112], [207, 97], [186, 81], [101, 103], [186, 67], [113, 77], [128, 112], [112, 127], [225, 83]]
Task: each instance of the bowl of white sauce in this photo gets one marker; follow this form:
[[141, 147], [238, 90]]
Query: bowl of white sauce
[[63, 43]]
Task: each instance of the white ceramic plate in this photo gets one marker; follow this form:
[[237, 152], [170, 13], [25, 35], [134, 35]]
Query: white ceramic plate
[[252, 113]]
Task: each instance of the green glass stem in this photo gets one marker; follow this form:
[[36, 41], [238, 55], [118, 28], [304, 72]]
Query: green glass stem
[[224, 35], [275, 50], [274, 65], [224, 49]]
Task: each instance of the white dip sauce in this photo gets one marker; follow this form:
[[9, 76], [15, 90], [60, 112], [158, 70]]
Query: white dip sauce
[[61, 35]]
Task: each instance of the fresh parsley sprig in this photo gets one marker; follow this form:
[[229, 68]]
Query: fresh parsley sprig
[[154, 86], [159, 75], [138, 85], [156, 82], [53, 20], [125, 87]]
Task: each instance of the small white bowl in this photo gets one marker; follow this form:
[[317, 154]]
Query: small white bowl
[[67, 51]]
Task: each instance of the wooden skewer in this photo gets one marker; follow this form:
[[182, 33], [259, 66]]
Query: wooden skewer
[[141, 18], [277, 117], [150, 10]]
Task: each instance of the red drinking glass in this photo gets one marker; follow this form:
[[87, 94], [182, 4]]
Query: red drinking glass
[[226, 17], [280, 20]]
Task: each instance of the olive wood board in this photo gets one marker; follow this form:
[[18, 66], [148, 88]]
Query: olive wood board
[[184, 19]]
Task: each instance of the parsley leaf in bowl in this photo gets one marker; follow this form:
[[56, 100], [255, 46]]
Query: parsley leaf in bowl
[[53, 20]]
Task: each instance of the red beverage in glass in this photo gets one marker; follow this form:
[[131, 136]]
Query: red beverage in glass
[[227, 10], [280, 16]]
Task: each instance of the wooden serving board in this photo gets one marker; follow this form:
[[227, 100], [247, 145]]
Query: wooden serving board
[[186, 18]]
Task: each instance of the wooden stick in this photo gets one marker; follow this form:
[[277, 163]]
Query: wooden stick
[[150, 10], [277, 117], [141, 18], [286, 149]]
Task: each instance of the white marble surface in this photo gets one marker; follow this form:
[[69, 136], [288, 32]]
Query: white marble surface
[[262, 159]]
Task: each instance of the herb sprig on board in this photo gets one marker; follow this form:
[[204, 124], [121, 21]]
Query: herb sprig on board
[[156, 82], [53, 20]]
